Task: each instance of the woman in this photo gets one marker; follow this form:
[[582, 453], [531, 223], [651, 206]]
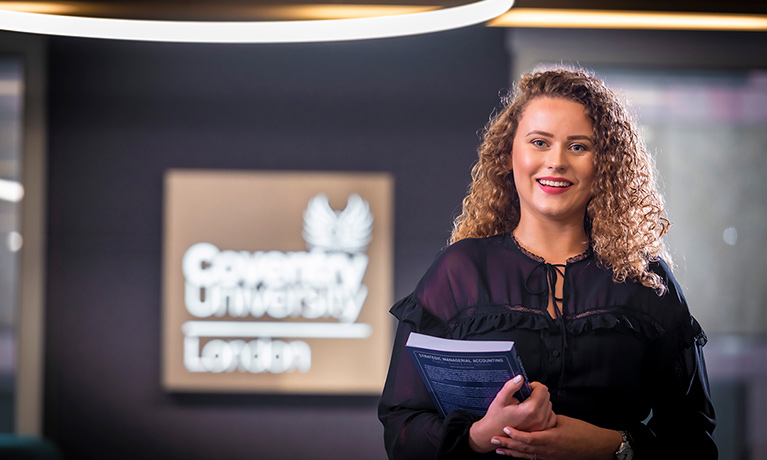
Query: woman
[[559, 248]]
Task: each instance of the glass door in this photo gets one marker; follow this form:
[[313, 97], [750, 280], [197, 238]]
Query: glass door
[[11, 195]]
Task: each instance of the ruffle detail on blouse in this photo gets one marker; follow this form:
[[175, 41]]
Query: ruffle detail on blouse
[[408, 310], [701, 339], [472, 321], [618, 319], [485, 319], [692, 335], [480, 320]]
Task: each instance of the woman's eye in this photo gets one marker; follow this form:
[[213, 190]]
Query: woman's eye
[[539, 143], [578, 148]]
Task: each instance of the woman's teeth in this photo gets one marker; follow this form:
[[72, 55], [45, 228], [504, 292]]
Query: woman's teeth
[[552, 183]]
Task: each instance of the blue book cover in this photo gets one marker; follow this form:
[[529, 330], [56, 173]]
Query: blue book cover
[[465, 374]]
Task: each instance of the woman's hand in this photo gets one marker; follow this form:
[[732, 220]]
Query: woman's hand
[[570, 439], [531, 415]]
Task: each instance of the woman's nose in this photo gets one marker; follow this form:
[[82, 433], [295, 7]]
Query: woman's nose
[[556, 159]]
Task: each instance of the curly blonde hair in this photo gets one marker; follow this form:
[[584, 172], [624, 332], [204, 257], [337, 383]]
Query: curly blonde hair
[[624, 218]]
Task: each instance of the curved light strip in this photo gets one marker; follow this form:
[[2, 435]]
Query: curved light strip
[[258, 31]]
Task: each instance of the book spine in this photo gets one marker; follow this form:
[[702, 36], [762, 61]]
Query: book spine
[[526, 390]]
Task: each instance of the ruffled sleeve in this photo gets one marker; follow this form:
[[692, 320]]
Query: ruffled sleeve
[[409, 311], [412, 427], [473, 321], [683, 418]]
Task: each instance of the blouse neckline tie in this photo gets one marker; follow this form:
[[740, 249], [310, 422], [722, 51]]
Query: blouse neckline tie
[[551, 272]]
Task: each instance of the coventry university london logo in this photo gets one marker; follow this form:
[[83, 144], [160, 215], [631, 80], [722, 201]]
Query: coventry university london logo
[[276, 319], [324, 282]]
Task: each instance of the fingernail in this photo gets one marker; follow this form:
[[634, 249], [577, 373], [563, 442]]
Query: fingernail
[[517, 379], [507, 431], [495, 442], [500, 452]]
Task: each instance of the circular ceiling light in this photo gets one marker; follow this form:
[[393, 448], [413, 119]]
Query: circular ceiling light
[[255, 31]]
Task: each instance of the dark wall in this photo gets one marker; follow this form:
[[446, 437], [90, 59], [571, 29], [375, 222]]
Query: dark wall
[[121, 113]]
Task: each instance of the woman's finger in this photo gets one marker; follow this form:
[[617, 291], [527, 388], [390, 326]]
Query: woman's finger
[[522, 439], [516, 453], [514, 448], [506, 395]]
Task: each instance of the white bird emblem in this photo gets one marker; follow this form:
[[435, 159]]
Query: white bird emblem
[[328, 230]]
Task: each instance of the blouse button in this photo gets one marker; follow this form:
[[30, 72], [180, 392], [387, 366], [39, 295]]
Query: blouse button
[[555, 353]]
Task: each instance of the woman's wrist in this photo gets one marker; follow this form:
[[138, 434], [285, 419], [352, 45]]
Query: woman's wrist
[[602, 444], [479, 441]]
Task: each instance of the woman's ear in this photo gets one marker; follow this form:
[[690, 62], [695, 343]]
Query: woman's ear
[[508, 162]]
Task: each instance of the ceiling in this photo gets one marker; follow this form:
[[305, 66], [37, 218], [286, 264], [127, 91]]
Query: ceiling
[[246, 10]]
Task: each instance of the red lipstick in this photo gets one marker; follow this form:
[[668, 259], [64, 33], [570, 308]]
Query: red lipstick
[[554, 185]]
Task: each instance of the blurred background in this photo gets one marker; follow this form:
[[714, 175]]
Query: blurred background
[[89, 127]]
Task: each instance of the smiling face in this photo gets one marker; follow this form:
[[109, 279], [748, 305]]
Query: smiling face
[[552, 160]]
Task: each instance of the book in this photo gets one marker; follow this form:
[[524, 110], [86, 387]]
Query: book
[[465, 374]]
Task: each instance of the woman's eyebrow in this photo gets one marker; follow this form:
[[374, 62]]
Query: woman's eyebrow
[[569, 138], [580, 136], [540, 133]]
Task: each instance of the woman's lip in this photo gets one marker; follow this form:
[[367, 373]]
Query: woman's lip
[[549, 187], [555, 179]]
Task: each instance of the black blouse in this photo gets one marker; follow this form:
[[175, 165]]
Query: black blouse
[[618, 355]]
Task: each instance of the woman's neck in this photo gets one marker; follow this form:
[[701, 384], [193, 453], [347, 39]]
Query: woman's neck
[[555, 242]]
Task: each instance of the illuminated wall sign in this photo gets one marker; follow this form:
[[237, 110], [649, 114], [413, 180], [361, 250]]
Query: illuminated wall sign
[[277, 282]]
